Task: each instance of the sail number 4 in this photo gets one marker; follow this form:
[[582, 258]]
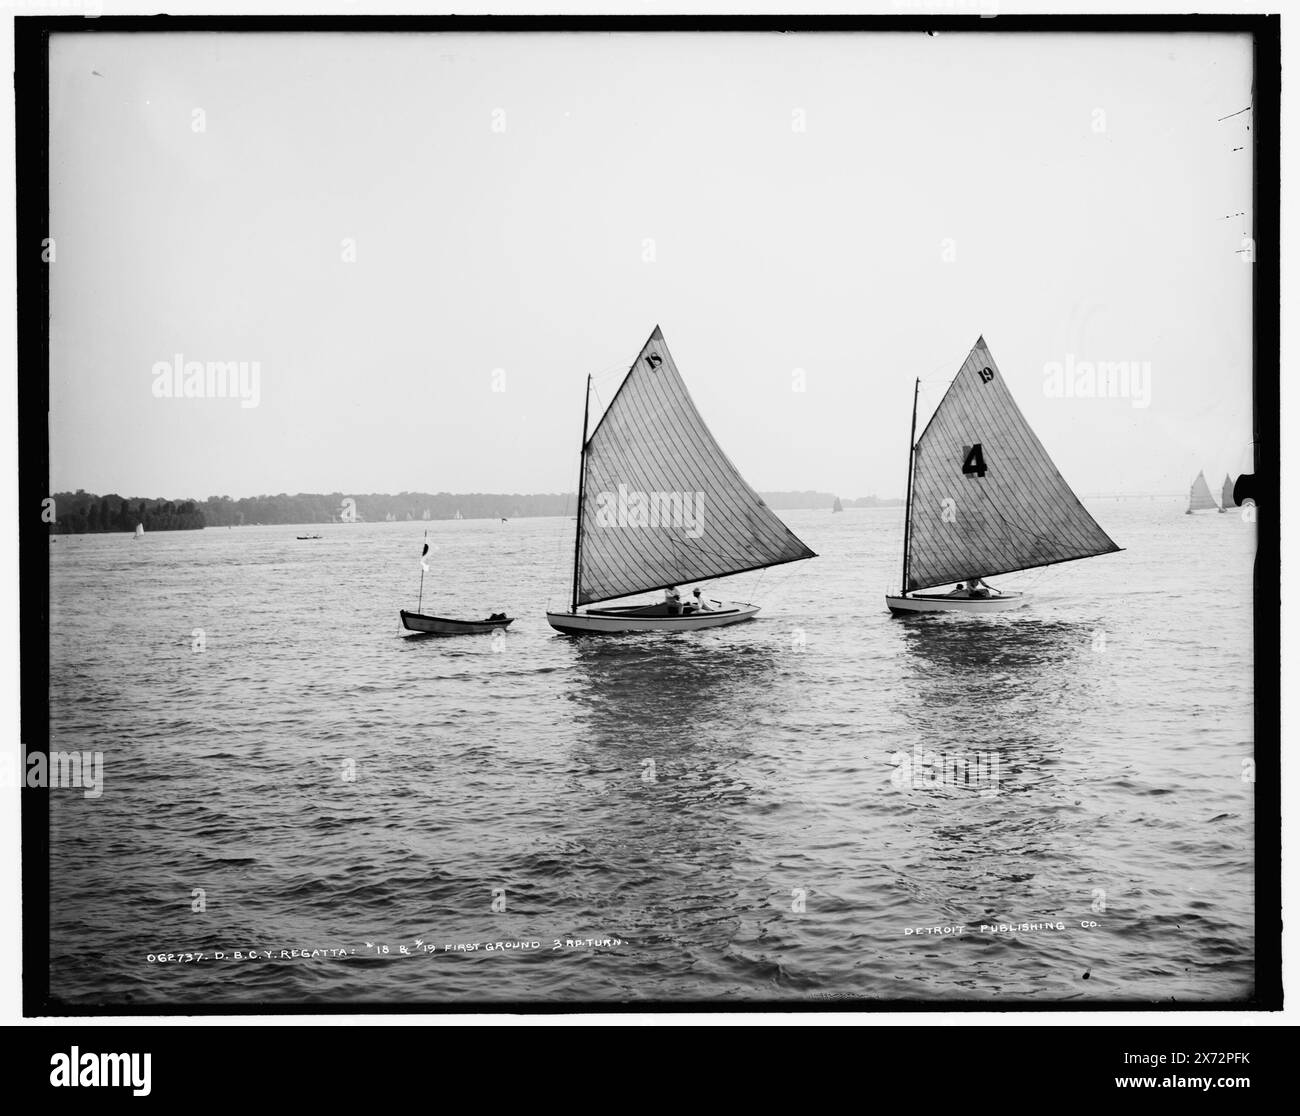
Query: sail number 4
[[973, 465]]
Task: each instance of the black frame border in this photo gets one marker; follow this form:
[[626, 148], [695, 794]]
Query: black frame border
[[31, 133]]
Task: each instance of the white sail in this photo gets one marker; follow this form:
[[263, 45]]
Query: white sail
[[1226, 498], [986, 497], [661, 504], [1200, 498]]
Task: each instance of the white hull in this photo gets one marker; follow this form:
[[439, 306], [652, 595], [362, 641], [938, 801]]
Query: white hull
[[939, 602], [613, 620]]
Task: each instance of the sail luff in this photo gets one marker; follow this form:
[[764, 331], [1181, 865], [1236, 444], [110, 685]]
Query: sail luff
[[907, 504], [986, 497], [582, 479], [662, 503]]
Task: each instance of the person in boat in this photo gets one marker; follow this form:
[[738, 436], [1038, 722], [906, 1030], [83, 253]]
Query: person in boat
[[976, 588], [699, 604], [673, 600], [960, 591]]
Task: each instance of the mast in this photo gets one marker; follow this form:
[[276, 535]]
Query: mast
[[582, 480], [907, 511]]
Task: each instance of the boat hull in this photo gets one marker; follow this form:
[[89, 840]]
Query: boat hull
[[937, 602], [442, 625], [652, 618]]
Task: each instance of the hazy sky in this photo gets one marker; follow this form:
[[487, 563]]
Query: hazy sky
[[523, 209]]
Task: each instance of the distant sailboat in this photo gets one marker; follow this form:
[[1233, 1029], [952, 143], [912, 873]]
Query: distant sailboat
[[984, 498], [1200, 498], [420, 624], [139, 530], [659, 505], [837, 506], [458, 515], [1226, 500]]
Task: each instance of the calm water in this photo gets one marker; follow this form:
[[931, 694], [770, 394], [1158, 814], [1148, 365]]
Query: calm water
[[713, 815]]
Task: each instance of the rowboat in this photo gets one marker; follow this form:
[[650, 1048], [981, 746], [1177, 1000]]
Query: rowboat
[[444, 626]]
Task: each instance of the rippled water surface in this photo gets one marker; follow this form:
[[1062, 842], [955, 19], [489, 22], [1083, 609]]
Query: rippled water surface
[[718, 815]]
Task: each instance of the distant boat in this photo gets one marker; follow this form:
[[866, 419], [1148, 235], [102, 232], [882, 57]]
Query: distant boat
[[309, 536], [983, 498], [647, 464], [504, 519], [1226, 499], [443, 625], [837, 506], [139, 530], [1200, 498], [458, 515]]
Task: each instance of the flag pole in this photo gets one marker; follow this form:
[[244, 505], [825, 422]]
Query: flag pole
[[419, 607]]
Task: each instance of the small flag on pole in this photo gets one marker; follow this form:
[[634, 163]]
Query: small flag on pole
[[423, 564]]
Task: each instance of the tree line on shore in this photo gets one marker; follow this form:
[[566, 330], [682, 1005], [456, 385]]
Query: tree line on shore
[[84, 512]]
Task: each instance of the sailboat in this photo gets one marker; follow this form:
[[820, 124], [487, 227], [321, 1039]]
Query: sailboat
[[1226, 499], [443, 625], [983, 498], [139, 530], [659, 505], [837, 506], [1200, 498]]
